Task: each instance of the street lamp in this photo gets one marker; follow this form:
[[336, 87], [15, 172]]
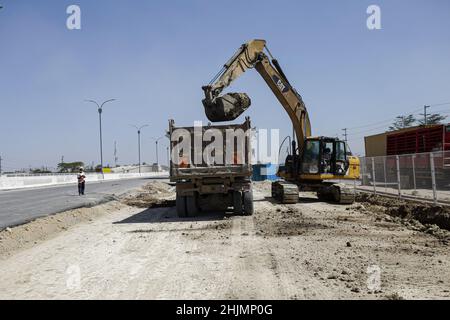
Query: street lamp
[[156, 143], [139, 142], [100, 110]]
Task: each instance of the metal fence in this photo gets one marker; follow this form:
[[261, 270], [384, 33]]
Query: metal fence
[[420, 175]]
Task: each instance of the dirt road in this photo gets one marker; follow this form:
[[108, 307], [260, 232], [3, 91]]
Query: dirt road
[[310, 250]]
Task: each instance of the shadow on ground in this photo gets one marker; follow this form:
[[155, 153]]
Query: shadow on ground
[[300, 200], [169, 214]]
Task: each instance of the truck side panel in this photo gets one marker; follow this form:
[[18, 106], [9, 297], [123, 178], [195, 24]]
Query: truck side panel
[[187, 165]]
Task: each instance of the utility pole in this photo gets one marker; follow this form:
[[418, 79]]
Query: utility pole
[[62, 164], [157, 159], [345, 134], [139, 142], [100, 110], [425, 114], [1, 165]]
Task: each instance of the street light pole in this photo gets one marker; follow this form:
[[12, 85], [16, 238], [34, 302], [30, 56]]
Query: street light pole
[[101, 141], [156, 144], [100, 110], [139, 142], [157, 158]]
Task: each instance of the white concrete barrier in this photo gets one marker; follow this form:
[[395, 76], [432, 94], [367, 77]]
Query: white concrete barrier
[[21, 182]]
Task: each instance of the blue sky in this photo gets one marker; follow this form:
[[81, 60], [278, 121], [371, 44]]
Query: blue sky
[[154, 56]]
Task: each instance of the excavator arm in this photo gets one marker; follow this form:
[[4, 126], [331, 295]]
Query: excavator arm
[[229, 106]]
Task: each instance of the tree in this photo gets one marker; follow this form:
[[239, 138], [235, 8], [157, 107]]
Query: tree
[[70, 166], [40, 171], [434, 118], [402, 122]]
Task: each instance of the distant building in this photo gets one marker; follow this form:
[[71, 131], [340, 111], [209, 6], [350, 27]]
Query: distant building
[[417, 139]]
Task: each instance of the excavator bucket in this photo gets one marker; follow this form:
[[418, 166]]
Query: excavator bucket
[[227, 107]]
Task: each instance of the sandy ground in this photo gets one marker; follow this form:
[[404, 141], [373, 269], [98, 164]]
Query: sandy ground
[[310, 250]]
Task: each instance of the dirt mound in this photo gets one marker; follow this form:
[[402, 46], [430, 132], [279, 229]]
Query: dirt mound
[[159, 187], [153, 195], [424, 213], [283, 221], [41, 229], [263, 186]]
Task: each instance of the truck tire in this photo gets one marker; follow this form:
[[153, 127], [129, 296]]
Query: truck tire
[[181, 206], [248, 203], [191, 206], [237, 202]]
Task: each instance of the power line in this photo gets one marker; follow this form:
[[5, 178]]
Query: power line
[[368, 130], [385, 123], [390, 119], [381, 121], [439, 104]]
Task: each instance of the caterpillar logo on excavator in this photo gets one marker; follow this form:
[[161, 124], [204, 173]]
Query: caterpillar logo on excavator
[[283, 88]]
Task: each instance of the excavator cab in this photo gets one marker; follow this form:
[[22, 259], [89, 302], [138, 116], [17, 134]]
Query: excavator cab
[[323, 155]]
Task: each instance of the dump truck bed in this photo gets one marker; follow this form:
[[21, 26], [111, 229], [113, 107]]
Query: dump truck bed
[[201, 156]]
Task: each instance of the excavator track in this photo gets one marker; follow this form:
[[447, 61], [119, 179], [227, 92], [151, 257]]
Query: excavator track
[[285, 192], [347, 195], [336, 192]]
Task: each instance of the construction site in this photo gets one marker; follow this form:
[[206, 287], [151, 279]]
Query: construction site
[[231, 215]]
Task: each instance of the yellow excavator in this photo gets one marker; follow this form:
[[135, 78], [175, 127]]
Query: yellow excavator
[[314, 163]]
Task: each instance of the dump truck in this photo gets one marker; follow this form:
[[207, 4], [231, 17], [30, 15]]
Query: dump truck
[[211, 168]]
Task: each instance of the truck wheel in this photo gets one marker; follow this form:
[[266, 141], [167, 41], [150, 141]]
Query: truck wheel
[[237, 202], [191, 206], [248, 203], [181, 206]]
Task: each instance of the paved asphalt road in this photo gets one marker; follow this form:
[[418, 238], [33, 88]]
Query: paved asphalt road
[[20, 206]]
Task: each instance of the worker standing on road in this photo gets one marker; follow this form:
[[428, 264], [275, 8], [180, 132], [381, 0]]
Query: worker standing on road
[[81, 182]]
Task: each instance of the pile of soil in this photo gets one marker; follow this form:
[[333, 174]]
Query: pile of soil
[[282, 221], [39, 230], [431, 216], [263, 186], [155, 194]]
